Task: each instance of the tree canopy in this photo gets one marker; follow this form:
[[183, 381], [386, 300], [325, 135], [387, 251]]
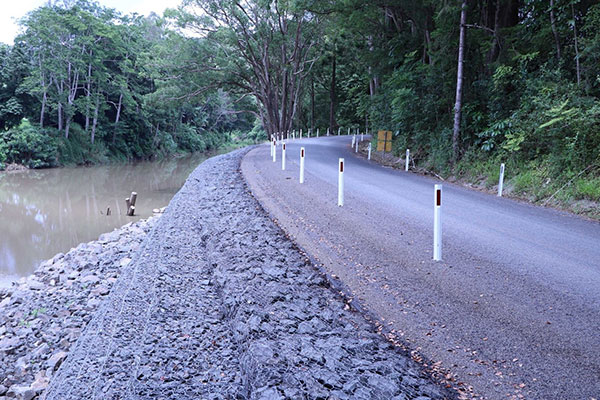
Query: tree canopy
[[526, 92], [94, 84]]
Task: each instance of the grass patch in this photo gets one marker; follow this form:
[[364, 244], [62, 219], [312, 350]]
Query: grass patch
[[588, 189]]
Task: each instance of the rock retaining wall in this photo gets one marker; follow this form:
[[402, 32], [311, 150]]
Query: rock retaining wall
[[219, 304], [41, 316]]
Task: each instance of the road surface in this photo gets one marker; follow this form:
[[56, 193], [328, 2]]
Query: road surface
[[512, 311]]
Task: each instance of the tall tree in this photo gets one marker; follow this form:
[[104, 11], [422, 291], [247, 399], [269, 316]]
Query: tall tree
[[259, 48], [459, 82]]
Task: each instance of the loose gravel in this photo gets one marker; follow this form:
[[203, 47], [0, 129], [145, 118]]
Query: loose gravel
[[220, 304]]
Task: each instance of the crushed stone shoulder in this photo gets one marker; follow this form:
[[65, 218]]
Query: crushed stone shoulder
[[220, 304]]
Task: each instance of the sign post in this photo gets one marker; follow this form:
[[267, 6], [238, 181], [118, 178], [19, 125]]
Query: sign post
[[501, 180], [301, 164], [384, 141], [341, 182], [283, 156], [407, 159], [437, 223]]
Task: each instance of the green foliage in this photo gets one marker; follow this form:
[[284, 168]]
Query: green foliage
[[27, 145], [257, 134], [77, 150], [146, 91], [588, 189], [103, 86]]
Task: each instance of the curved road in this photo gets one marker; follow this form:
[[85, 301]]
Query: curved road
[[512, 311]]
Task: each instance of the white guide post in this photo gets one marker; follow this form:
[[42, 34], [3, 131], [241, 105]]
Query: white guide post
[[327, 131], [353, 140], [274, 150], [437, 223], [339, 130], [283, 156], [356, 149], [300, 133], [348, 131], [369, 156], [317, 132], [308, 133], [341, 182], [361, 137], [301, 164], [407, 160], [501, 180]]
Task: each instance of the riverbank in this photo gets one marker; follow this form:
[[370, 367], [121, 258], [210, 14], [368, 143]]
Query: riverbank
[[43, 315], [576, 195]]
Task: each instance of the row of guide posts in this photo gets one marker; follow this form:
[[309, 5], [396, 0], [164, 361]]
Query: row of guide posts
[[437, 201], [280, 136]]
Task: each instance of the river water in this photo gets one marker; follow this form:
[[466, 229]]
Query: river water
[[45, 212]]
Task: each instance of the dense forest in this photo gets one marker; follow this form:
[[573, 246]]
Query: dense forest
[[465, 84], [85, 84]]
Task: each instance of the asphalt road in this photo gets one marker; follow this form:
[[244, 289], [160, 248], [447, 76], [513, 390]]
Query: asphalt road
[[512, 311]]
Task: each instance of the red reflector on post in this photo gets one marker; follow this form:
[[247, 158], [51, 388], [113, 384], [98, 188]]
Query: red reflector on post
[[341, 166], [302, 153], [284, 146], [438, 198]]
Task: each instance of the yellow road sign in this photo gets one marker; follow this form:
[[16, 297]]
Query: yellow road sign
[[384, 141]]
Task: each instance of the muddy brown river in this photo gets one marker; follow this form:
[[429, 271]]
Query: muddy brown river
[[45, 212]]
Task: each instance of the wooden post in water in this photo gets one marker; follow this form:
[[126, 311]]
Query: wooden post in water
[[131, 204]]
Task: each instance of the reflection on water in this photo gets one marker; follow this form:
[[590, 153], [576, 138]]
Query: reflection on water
[[44, 212]]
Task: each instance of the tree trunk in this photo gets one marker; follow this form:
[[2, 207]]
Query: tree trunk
[[459, 82], [312, 104], [332, 96], [95, 121], [73, 86], [576, 46], [87, 98], [60, 90], [114, 138], [60, 120], [495, 49], [44, 98], [554, 31]]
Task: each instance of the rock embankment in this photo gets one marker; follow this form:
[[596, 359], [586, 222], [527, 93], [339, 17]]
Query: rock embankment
[[43, 315], [220, 304]]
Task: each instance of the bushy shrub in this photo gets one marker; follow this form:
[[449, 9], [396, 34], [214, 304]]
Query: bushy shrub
[[29, 146], [257, 134], [78, 149], [189, 139]]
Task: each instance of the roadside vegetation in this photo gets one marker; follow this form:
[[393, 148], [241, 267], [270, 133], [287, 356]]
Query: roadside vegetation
[[530, 90], [83, 84]]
